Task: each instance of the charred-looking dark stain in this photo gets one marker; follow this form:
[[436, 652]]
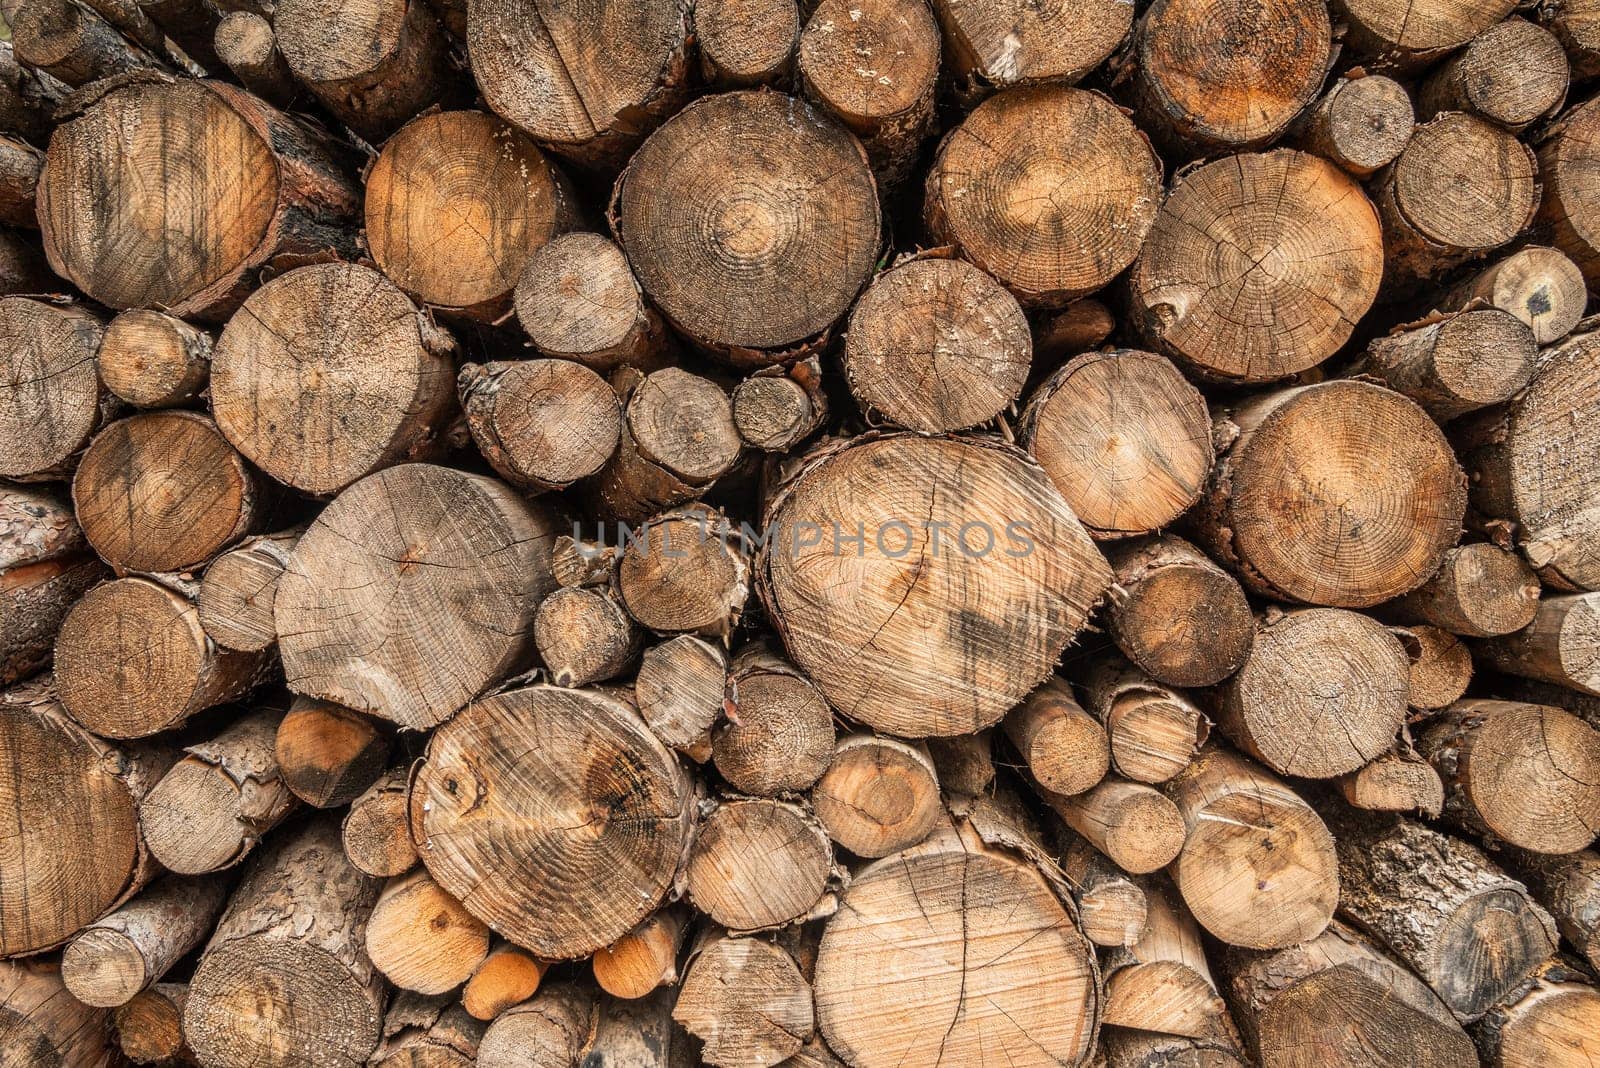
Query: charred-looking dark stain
[[619, 783], [980, 636], [1539, 302]]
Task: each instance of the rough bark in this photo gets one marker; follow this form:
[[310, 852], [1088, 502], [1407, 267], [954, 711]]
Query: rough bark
[[766, 164], [45, 567], [284, 979], [456, 203], [73, 44], [1125, 438], [1257, 867], [413, 592], [1525, 774], [20, 164], [1468, 930], [1064, 167], [164, 491], [112, 960], [1389, 502], [132, 660], [935, 344], [244, 187], [1196, 296], [878, 796], [946, 665], [520, 864], [1568, 885]]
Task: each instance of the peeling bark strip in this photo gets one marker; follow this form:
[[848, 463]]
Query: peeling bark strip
[[45, 567]]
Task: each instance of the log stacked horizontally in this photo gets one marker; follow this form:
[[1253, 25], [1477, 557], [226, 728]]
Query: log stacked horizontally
[[887, 533]]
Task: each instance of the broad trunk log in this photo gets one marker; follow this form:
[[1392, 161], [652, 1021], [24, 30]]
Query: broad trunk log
[[1125, 438], [1390, 501], [879, 795], [1257, 867], [45, 567], [935, 344], [1323, 692], [1340, 1000], [132, 660], [779, 736], [1067, 165], [541, 424], [1470, 931], [908, 652], [413, 592], [284, 980], [456, 203], [1526, 774], [757, 864], [43, 1026], [244, 187], [1195, 297], [114, 959], [421, 938], [561, 887], [735, 204]]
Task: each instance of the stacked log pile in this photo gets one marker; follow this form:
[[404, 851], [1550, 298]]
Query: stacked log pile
[[750, 532]]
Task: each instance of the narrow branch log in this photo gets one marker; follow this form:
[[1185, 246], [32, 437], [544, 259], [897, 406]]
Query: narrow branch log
[[1155, 731], [421, 938], [1361, 123], [1112, 906], [1386, 30], [584, 636], [1016, 43], [541, 424], [686, 570], [878, 796], [244, 41], [420, 1031], [644, 959], [153, 360], [150, 1026], [680, 692], [1514, 73], [328, 755], [578, 300], [508, 976], [1175, 614], [73, 44], [1161, 982], [1399, 781], [376, 833], [240, 588], [1479, 591], [1062, 745], [1133, 824], [775, 409], [757, 864], [111, 961], [746, 42], [678, 437], [45, 567], [554, 1027], [51, 396], [1561, 645], [1539, 285], [1457, 363], [779, 736]]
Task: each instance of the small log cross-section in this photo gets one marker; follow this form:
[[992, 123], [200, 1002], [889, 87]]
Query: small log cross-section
[[302, 398], [950, 952], [1222, 78], [935, 344], [1133, 824], [891, 636], [1063, 746], [680, 692], [541, 424], [1528, 459], [571, 833], [643, 959], [242, 185], [747, 1001], [1513, 74], [740, 201], [109, 962], [328, 755], [1323, 692], [779, 735], [878, 796], [455, 204], [757, 864], [421, 938], [1455, 364], [577, 299], [1175, 614], [239, 588], [51, 396], [1361, 123], [164, 491], [1409, 33], [1389, 502], [1523, 773], [152, 360], [590, 82], [1479, 591], [1125, 438], [1257, 868], [1051, 190], [451, 568], [1201, 293], [285, 978], [746, 42], [376, 832], [1013, 42], [1539, 285]]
